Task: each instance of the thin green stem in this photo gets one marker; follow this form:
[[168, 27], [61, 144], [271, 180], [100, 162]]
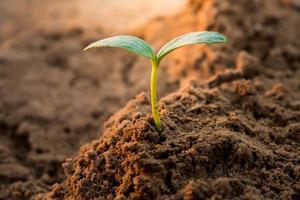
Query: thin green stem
[[153, 96]]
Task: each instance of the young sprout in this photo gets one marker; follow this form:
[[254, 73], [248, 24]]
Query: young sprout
[[140, 47]]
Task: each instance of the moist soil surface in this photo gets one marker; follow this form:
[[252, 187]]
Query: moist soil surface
[[232, 130]]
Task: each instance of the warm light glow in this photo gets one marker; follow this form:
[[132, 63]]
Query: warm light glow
[[118, 15]]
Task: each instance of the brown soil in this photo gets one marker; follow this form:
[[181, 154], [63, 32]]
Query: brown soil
[[235, 135]]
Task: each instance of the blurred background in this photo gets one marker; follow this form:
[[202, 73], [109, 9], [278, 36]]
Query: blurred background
[[112, 15]]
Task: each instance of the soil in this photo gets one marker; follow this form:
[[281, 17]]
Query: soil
[[232, 132]]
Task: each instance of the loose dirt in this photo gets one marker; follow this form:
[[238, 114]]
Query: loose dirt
[[232, 132]]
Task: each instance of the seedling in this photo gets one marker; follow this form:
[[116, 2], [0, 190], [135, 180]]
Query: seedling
[[140, 47]]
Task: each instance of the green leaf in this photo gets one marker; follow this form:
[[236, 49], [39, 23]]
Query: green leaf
[[131, 43], [190, 38]]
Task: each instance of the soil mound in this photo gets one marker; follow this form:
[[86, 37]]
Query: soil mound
[[220, 143], [235, 135]]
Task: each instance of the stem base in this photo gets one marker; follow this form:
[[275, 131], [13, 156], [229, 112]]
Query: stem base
[[153, 96]]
